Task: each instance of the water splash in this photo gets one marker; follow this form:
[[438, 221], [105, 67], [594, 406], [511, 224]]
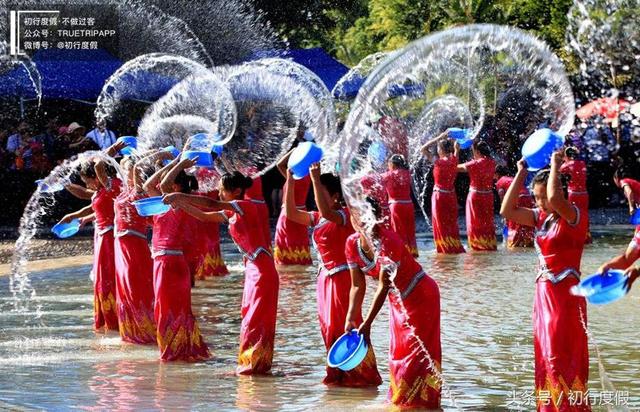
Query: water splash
[[512, 72], [38, 207], [13, 64]]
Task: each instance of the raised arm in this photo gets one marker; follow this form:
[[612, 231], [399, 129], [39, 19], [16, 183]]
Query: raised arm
[[555, 193], [323, 200], [291, 211], [215, 217], [115, 148], [509, 208], [152, 183], [282, 163], [79, 191], [628, 193], [431, 142], [101, 172]]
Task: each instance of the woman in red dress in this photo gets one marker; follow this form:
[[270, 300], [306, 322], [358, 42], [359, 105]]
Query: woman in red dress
[[373, 187], [260, 296], [254, 195], [414, 314], [134, 265], [481, 229], [626, 260], [210, 261], [444, 202], [101, 181], [178, 333], [517, 235], [560, 341], [578, 194], [397, 181], [331, 228], [292, 239]]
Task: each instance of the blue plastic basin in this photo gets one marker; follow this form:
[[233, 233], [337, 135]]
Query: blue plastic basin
[[132, 145], [348, 351], [306, 154], [45, 188], [151, 206], [171, 149], [204, 159], [635, 217], [377, 153], [461, 136], [65, 230], [600, 289], [539, 147]]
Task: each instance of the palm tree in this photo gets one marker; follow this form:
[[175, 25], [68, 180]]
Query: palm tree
[[469, 11]]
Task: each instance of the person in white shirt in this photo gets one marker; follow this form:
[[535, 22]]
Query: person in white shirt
[[102, 136]]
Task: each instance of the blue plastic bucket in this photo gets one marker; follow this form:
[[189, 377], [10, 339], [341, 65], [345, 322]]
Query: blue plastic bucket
[[217, 149], [171, 149], [348, 351], [377, 153], [65, 230], [461, 136], [600, 289], [204, 159], [306, 154], [151, 206], [132, 144], [539, 147], [45, 188], [635, 217]]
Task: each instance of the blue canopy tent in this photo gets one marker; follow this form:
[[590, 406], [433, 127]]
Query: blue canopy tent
[[349, 89], [328, 69], [80, 74]]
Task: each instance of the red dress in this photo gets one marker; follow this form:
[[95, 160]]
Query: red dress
[[373, 186], [260, 295], [481, 229], [292, 239], [444, 207], [403, 218], [254, 195], [560, 342], [178, 333], [134, 272], [517, 235], [578, 194], [414, 380], [207, 260], [104, 263], [333, 289]]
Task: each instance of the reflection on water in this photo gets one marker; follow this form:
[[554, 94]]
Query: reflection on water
[[57, 361]]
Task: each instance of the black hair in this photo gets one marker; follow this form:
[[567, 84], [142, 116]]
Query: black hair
[[186, 182], [398, 160], [542, 178], [236, 180], [446, 145], [87, 169], [572, 152], [332, 183], [502, 170], [482, 147], [619, 173]]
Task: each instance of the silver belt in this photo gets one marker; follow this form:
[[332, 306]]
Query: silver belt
[[546, 274], [337, 269], [482, 192], [255, 254], [131, 232], [257, 201], [105, 230], [412, 285], [438, 189], [400, 201], [167, 252], [571, 192]]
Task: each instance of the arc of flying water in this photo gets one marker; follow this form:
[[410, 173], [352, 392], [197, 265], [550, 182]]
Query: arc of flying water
[[8, 62], [19, 283]]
